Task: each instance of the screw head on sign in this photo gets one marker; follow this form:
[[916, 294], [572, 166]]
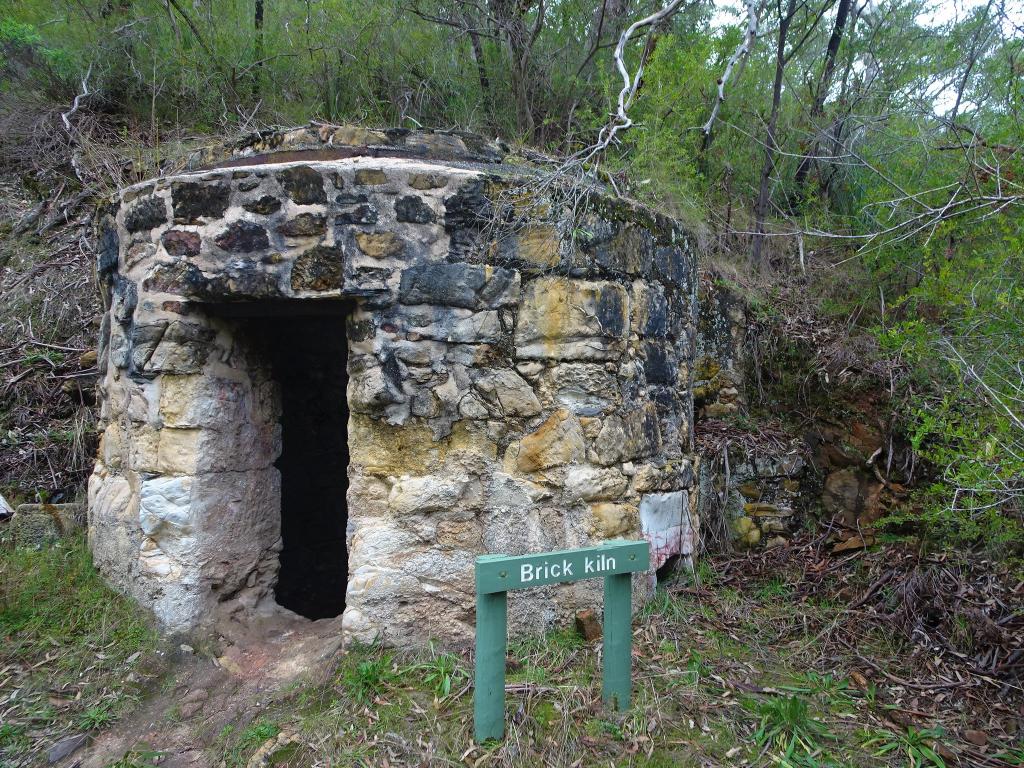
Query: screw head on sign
[[503, 574], [632, 557]]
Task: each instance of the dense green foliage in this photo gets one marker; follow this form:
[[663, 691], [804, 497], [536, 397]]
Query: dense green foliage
[[882, 140], [206, 66], [960, 332]]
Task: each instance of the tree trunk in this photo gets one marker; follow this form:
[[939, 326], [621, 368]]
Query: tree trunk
[[972, 59], [761, 207], [511, 20], [257, 53], [481, 71], [824, 84]]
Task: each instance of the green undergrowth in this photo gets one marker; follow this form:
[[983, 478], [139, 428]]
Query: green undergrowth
[[76, 653], [727, 669], [721, 677]]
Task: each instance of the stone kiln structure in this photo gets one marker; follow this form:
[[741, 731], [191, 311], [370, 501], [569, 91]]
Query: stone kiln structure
[[336, 365]]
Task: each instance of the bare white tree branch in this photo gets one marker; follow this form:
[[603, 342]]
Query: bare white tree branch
[[630, 83], [741, 52], [992, 394], [66, 116], [578, 170]]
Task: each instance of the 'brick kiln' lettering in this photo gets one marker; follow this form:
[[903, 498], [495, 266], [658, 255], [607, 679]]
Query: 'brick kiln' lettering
[[592, 566]]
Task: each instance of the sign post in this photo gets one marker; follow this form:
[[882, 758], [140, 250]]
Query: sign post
[[496, 575]]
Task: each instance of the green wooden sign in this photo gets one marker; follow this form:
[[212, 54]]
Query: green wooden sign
[[613, 561]]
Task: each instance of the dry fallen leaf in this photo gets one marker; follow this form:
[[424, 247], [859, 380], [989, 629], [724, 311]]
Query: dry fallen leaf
[[859, 681], [854, 542], [977, 738]]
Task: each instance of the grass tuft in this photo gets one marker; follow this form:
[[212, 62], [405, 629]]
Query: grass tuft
[[368, 678], [72, 646], [788, 729], [442, 672], [916, 744]]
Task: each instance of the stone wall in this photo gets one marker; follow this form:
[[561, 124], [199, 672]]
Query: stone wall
[[751, 489], [719, 377], [35, 526], [749, 474], [519, 379]]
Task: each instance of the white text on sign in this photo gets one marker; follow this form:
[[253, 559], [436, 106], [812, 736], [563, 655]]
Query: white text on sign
[[592, 565]]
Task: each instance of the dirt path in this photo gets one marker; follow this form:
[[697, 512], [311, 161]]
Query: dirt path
[[205, 693]]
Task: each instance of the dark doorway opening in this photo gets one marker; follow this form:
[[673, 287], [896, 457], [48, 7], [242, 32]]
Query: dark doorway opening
[[308, 356]]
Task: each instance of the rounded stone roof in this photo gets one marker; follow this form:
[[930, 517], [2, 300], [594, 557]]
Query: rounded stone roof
[[324, 142]]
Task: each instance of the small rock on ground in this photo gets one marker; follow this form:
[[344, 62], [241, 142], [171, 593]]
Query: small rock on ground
[[65, 747], [588, 625]]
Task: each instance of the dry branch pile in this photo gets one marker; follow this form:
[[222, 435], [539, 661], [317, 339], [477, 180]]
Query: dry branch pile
[[58, 162], [964, 617], [47, 332]]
